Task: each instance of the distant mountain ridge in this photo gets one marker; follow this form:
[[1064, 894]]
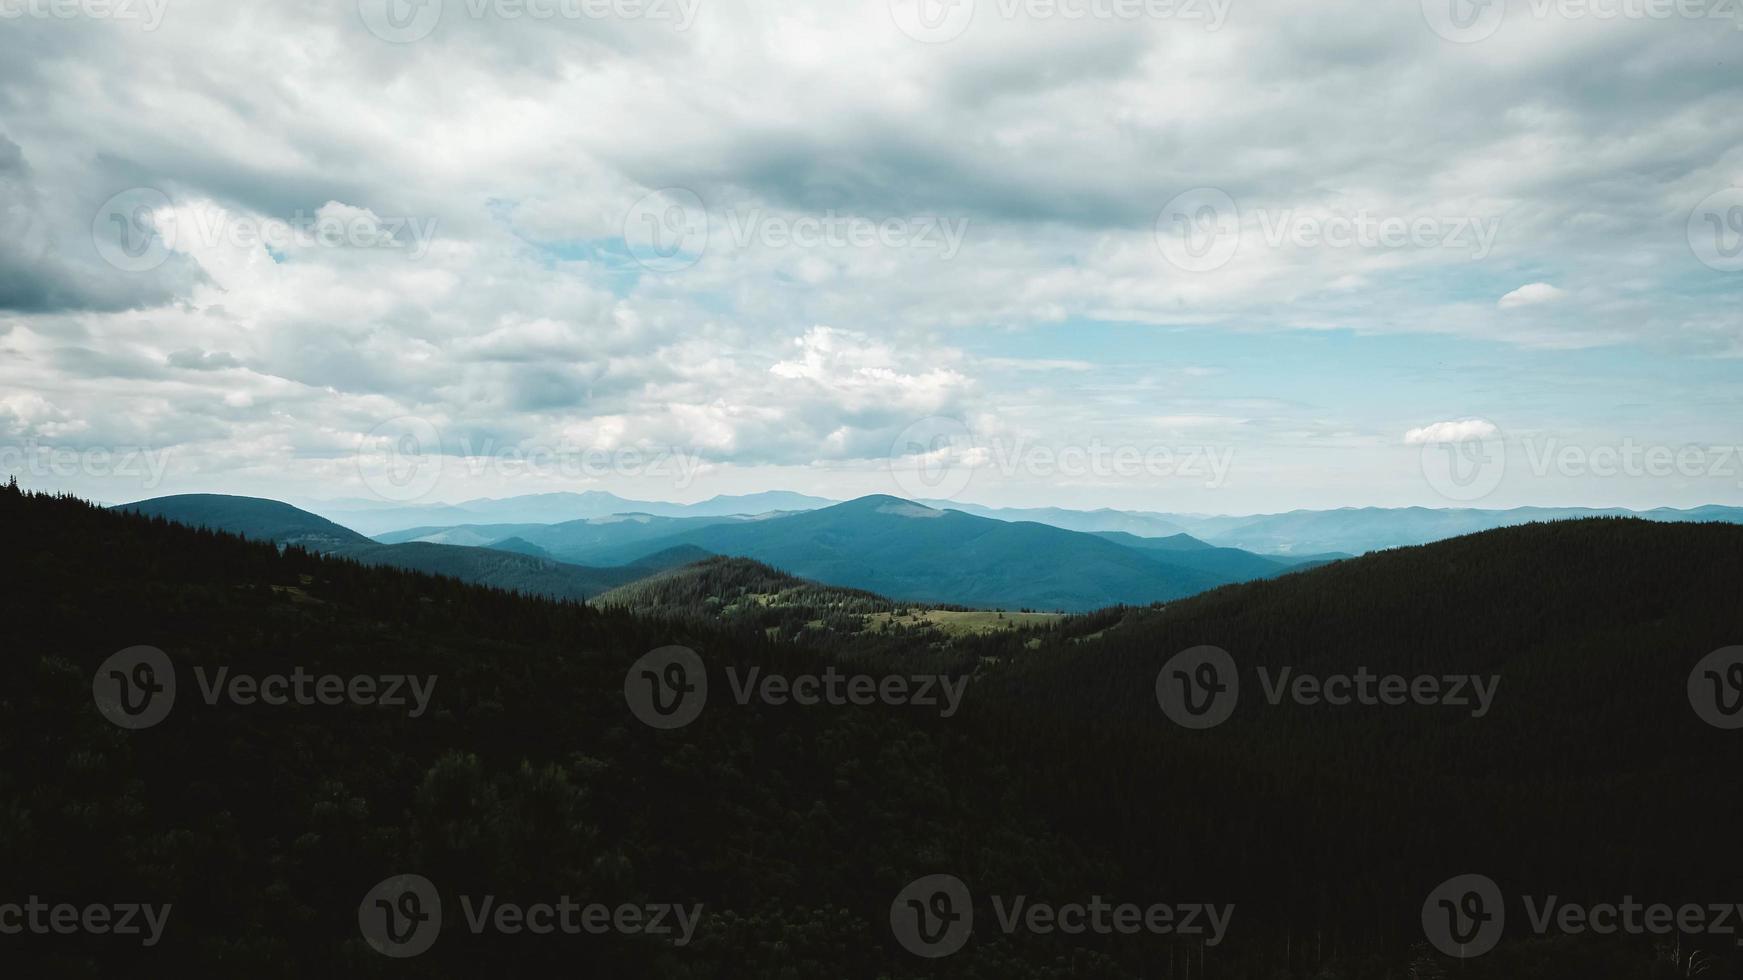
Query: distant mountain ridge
[[375, 517], [1355, 530], [619, 539], [616, 539], [902, 549], [1293, 535], [908, 551], [1138, 523]]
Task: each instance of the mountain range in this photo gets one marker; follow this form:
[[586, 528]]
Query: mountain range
[[896, 548], [1048, 558], [1297, 534], [374, 517]]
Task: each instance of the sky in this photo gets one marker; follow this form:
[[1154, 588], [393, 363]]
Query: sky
[[1210, 256]]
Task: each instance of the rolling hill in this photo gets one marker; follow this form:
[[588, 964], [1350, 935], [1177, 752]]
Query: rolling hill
[[253, 517], [706, 587], [515, 569], [739, 593]]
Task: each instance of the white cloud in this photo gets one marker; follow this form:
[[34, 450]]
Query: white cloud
[[31, 416], [1460, 431], [1531, 294]]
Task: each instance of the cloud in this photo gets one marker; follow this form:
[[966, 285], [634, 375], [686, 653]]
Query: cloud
[[1460, 431], [526, 142], [194, 359], [31, 416], [1531, 294]]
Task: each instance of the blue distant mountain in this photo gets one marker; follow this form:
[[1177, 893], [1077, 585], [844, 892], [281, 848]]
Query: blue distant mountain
[[898, 548], [906, 550], [377, 518]]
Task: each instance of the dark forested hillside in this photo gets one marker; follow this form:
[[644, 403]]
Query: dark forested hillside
[[1590, 749], [795, 827]]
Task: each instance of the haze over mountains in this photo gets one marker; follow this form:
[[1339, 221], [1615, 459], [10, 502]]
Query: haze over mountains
[[1347, 530], [899, 549], [1048, 558], [376, 517]]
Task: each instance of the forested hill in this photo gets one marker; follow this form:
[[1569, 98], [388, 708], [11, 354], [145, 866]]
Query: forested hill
[[529, 777], [741, 594], [518, 568], [704, 587], [1590, 775], [253, 517]]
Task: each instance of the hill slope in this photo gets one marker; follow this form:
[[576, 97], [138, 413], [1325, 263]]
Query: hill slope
[[743, 594], [516, 570], [253, 517], [1228, 564]]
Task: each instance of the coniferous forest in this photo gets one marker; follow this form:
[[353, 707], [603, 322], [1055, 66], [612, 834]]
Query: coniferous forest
[[528, 775]]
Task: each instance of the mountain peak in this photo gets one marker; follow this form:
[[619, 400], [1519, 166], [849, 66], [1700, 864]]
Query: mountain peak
[[883, 503]]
